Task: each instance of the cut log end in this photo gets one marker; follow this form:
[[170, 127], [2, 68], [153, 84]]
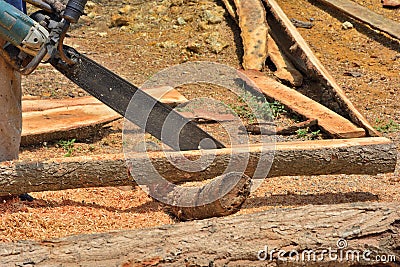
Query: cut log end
[[234, 188]]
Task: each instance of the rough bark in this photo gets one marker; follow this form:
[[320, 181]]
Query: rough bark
[[324, 88], [254, 32], [232, 241], [229, 191], [344, 156], [329, 121], [365, 15]]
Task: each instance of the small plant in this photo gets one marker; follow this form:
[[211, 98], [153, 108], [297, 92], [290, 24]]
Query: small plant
[[315, 134], [277, 108], [387, 127], [68, 146], [301, 133], [254, 107], [305, 133]]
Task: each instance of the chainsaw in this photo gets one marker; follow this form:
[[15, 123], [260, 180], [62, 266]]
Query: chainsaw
[[31, 40]]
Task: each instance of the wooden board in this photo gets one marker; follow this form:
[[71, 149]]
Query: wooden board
[[297, 50], [64, 123], [344, 156], [330, 122], [167, 95], [369, 229], [254, 32], [56, 119], [46, 104], [365, 15], [230, 7], [285, 70]]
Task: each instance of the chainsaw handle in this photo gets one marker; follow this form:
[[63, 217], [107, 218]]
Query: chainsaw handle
[[74, 10]]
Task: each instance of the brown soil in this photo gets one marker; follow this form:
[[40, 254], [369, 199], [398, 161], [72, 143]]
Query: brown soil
[[157, 38]]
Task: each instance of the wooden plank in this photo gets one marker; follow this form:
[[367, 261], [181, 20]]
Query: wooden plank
[[64, 123], [365, 15], [46, 104], [56, 119], [230, 7], [285, 69], [344, 156], [330, 122], [297, 50], [167, 95], [254, 32], [369, 229]]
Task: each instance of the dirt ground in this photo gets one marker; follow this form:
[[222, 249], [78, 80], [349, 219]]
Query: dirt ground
[[150, 36]]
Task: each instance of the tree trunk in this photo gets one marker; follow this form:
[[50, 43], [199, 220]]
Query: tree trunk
[[10, 109], [344, 156], [370, 230]]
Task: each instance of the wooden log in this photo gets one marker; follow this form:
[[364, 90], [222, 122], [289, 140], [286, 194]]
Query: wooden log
[[365, 15], [64, 123], [325, 88], [229, 191], [55, 119], [10, 107], [344, 156], [254, 32], [267, 238], [329, 121]]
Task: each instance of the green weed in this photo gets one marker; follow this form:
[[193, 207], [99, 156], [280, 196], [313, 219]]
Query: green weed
[[302, 133], [253, 107], [68, 146], [387, 127]]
